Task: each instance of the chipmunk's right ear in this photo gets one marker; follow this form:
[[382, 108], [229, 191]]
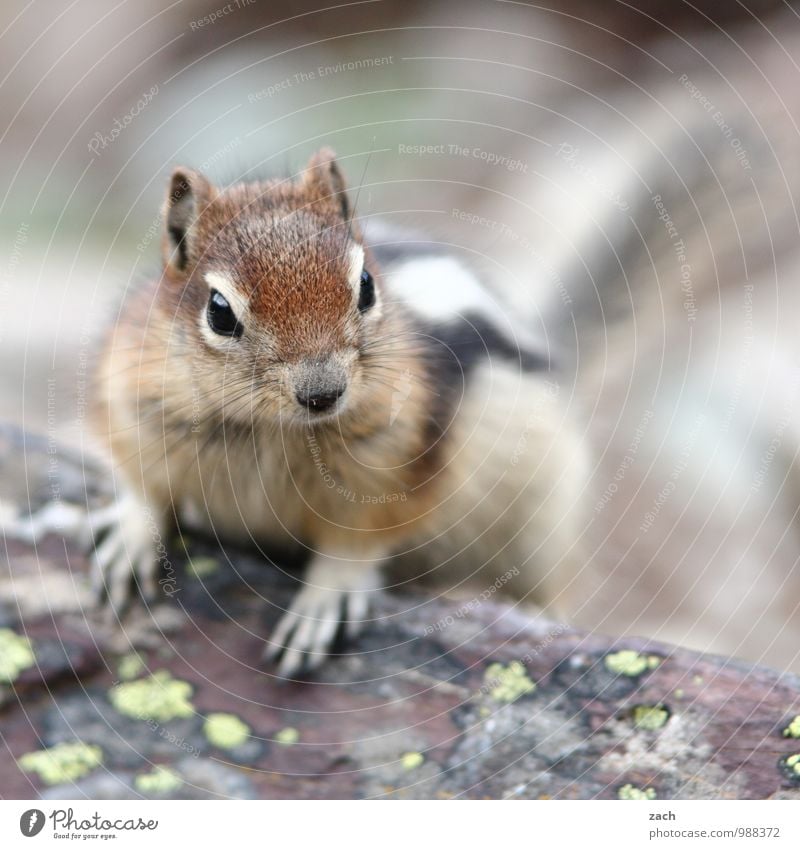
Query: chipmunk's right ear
[[188, 195]]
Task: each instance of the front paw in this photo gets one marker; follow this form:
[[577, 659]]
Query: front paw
[[124, 552], [317, 615]]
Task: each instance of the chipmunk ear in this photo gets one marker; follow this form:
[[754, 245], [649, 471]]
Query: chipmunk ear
[[188, 195], [324, 179]]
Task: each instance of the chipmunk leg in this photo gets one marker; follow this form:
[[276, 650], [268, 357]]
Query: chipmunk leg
[[336, 594], [124, 537]]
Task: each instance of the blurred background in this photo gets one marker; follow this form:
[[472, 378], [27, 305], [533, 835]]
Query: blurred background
[[625, 174]]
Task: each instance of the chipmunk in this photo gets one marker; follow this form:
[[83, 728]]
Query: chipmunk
[[287, 382]]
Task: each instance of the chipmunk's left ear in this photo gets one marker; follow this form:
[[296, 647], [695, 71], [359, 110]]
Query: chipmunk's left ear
[[188, 196], [324, 179]]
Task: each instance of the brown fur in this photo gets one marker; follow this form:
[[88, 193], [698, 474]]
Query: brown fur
[[212, 426], [286, 243]]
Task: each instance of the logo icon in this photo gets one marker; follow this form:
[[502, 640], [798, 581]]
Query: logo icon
[[31, 822], [401, 394]]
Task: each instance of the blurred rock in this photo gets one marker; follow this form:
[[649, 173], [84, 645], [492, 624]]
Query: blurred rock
[[432, 702]]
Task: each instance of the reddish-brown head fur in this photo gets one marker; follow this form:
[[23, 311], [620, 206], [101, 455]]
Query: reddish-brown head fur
[[287, 258], [286, 245]]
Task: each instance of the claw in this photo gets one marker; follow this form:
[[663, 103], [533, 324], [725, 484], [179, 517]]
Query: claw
[[124, 554], [326, 605]]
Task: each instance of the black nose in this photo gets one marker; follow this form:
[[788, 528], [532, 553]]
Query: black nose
[[319, 400]]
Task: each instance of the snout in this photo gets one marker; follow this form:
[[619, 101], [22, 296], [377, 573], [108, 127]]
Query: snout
[[319, 384], [319, 400]]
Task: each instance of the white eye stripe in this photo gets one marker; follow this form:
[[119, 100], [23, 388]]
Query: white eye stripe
[[356, 266], [225, 286]]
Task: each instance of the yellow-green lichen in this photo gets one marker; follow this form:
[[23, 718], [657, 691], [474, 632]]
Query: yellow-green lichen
[[631, 663], [287, 736], [792, 763], [650, 717], [202, 567], [61, 763], [793, 728], [130, 666], [225, 730], [508, 683], [631, 792], [412, 760], [159, 696], [16, 654], [160, 781]]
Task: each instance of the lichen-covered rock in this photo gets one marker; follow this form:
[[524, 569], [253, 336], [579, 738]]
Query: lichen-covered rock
[[16, 654], [491, 703], [63, 762]]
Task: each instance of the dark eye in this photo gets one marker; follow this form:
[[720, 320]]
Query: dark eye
[[366, 296], [221, 318]]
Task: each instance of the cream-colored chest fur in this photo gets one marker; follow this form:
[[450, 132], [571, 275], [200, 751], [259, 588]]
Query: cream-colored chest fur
[[306, 485], [503, 494]]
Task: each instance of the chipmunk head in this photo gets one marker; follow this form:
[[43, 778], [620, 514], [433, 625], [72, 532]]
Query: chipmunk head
[[276, 290]]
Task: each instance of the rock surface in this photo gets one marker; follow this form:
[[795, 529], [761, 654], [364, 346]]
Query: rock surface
[[438, 699]]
